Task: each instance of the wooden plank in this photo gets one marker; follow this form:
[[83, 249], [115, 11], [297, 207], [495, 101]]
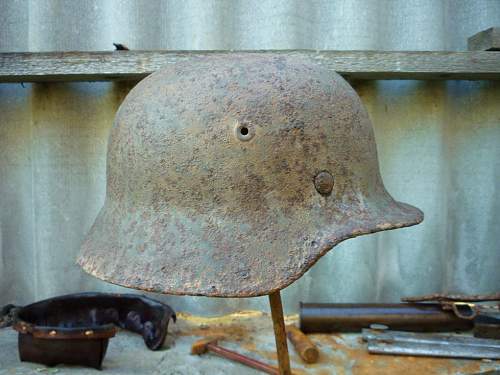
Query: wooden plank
[[486, 40], [123, 65]]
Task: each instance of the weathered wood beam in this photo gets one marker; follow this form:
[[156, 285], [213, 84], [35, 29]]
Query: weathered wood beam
[[123, 65]]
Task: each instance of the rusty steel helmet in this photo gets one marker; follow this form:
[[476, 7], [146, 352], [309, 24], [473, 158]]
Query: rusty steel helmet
[[231, 174]]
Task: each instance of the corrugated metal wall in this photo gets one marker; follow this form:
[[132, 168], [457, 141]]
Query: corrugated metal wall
[[438, 142]]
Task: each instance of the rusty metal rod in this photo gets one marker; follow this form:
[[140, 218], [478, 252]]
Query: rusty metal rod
[[247, 361], [280, 333], [341, 317]]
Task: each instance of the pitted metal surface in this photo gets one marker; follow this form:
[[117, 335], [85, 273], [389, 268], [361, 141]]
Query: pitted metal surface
[[212, 184]]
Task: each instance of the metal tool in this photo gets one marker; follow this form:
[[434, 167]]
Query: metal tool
[[421, 344], [302, 344], [482, 309], [464, 306], [210, 344]]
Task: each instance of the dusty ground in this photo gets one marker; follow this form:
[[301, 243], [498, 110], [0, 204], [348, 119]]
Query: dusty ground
[[247, 332]]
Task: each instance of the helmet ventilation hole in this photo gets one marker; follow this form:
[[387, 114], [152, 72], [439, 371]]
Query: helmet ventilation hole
[[244, 132]]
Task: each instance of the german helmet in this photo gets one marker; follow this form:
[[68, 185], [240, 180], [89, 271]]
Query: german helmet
[[230, 175]]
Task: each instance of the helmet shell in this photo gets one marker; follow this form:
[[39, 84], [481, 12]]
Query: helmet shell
[[231, 174]]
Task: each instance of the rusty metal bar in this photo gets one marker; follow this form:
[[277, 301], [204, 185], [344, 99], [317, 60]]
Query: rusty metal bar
[[247, 361], [280, 333]]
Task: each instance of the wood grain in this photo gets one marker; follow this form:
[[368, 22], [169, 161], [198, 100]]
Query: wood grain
[[127, 65]]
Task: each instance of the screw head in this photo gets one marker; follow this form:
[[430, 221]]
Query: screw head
[[89, 332], [52, 333], [323, 182]]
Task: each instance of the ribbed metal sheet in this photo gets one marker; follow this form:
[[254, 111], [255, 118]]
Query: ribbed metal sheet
[[438, 142]]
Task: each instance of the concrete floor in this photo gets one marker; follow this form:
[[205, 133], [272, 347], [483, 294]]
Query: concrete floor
[[247, 332]]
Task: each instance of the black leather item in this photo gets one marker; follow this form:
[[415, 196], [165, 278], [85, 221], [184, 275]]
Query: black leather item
[[75, 329]]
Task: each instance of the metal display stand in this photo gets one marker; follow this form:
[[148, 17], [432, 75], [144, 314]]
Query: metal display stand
[[280, 333]]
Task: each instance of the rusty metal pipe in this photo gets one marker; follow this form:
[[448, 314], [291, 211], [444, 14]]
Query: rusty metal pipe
[[210, 344], [223, 352], [346, 317]]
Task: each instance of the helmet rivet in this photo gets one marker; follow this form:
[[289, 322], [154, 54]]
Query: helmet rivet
[[323, 182]]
